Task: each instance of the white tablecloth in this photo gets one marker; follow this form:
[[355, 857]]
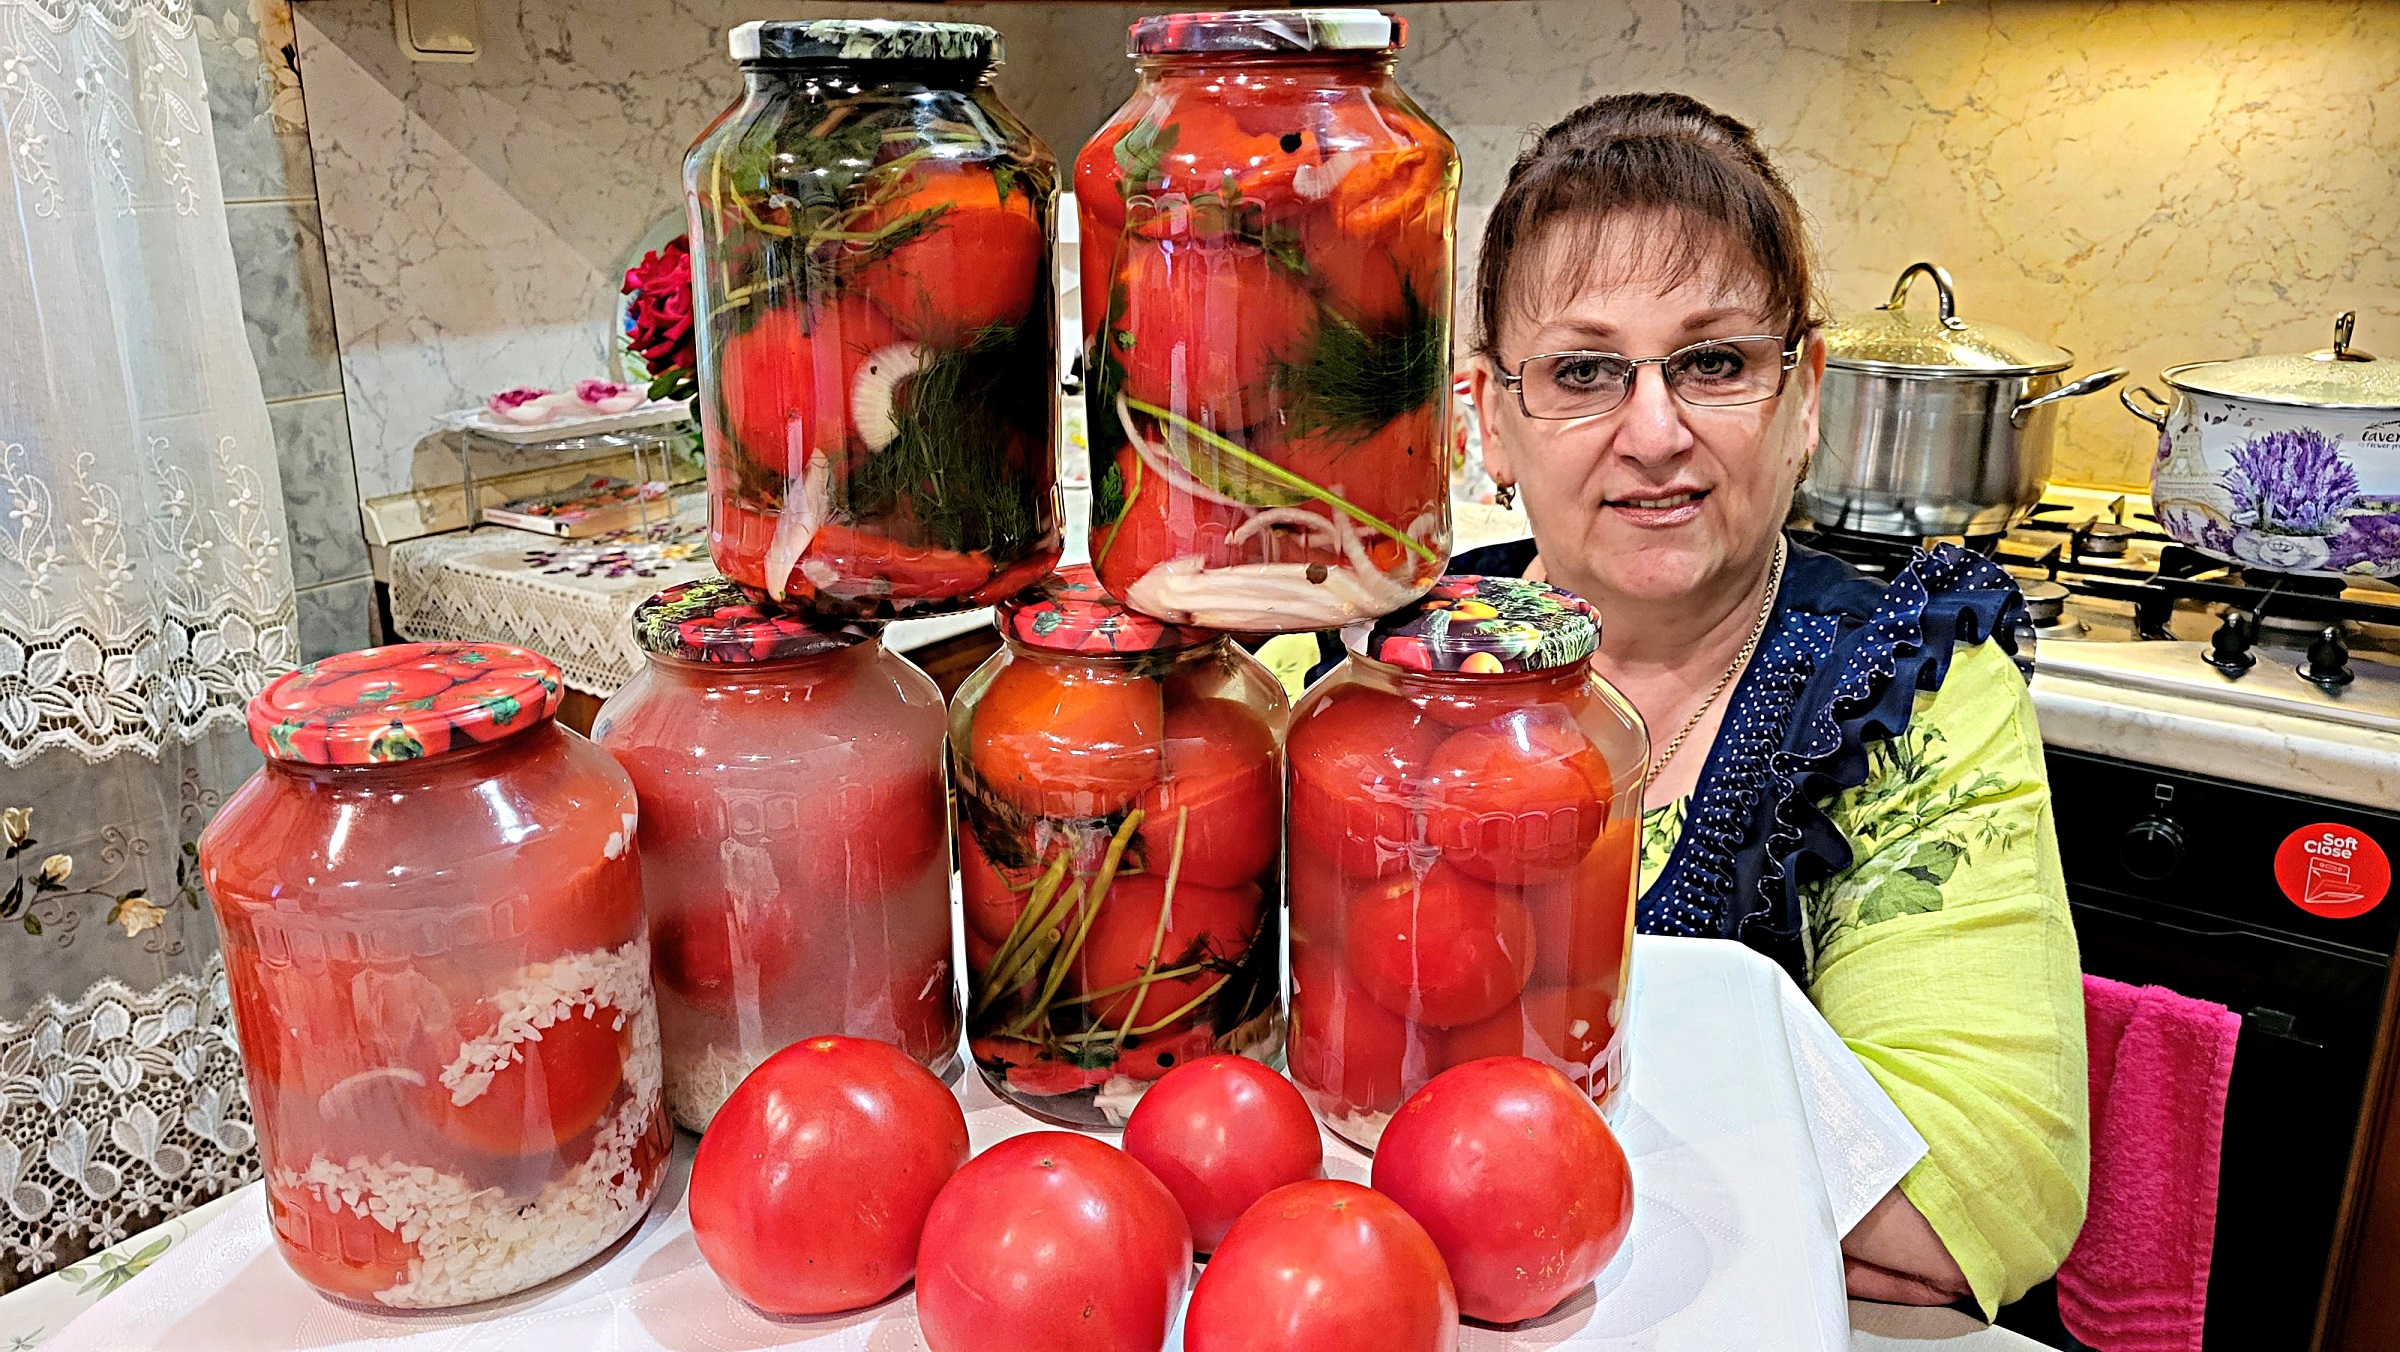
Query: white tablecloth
[[1757, 1141]]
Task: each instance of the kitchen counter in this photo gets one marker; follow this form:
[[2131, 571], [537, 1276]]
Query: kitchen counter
[[2250, 746]]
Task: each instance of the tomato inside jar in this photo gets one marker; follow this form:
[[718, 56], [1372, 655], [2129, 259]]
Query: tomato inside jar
[[1267, 231], [1120, 808], [1465, 829], [877, 334], [795, 836], [429, 901]]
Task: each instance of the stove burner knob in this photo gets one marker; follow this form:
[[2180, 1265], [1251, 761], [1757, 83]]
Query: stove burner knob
[[2229, 648], [2328, 665], [2153, 848]]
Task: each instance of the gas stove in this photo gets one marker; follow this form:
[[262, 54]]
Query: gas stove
[[2118, 603]]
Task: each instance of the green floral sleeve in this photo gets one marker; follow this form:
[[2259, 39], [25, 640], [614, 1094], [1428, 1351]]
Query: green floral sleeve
[[1945, 956]]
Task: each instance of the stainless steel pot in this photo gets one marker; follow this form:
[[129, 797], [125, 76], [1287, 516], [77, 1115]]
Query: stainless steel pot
[[1935, 426]]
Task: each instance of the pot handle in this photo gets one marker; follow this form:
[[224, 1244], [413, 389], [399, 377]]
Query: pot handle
[[1942, 284], [2091, 384], [2157, 419]]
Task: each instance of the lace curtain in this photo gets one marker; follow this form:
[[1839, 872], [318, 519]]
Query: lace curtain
[[144, 595]]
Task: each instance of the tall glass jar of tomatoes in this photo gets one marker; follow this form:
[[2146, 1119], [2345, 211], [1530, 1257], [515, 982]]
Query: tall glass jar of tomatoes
[[1120, 810], [431, 909], [1267, 236], [1466, 822], [878, 346], [795, 836]]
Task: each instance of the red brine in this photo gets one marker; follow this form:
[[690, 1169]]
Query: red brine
[[1267, 233], [871, 258], [1120, 807], [1465, 829], [430, 906], [795, 837]]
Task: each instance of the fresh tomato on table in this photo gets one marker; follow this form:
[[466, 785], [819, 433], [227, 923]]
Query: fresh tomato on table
[[1325, 1266]]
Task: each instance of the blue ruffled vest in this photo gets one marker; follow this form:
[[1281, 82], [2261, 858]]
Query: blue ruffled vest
[[1839, 670]]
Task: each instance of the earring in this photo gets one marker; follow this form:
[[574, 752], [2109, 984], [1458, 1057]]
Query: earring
[[1505, 495]]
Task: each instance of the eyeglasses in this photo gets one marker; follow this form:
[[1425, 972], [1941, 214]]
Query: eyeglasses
[[1713, 373]]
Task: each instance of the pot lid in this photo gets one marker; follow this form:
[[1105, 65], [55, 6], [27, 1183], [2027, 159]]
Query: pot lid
[[716, 619], [1069, 612], [865, 40], [1485, 626], [1265, 31], [2341, 376], [402, 702], [1891, 338]]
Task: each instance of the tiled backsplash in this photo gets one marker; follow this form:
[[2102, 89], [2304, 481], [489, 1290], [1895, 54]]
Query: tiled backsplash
[[2143, 183]]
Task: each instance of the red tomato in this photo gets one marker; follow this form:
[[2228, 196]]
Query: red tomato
[[1052, 1242], [1518, 799], [976, 264], [1208, 925], [1345, 1048], [811, 1188], [868, 566], [1220, 768], [1319, 895], [866, 838], [992, 897], [1326, 1266], [1447, 950], [1096, 195], [1369, 284], [1204, 325], [1150, 1058], [333, 1247], [1222, 1132], [1160, 523], [1522, 1186], [693, 951], [1394, 473], [1582, 921], [1503, 1034], [1066, 740], [1356, 760], [788, 369], [553, 1091], [1030, 1069]]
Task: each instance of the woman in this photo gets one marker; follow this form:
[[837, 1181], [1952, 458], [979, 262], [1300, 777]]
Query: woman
[[1845, 774]]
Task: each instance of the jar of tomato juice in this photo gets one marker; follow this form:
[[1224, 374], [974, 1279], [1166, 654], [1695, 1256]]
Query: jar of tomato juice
[[1266, 239], [431, 911], [1465, 825], [1120, 812], [795, 836], [878, 350]]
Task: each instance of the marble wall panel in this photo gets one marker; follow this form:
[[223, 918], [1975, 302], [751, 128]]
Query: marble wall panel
[[2146, 182]]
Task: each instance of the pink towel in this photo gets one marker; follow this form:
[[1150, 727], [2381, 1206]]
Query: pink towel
[[2137, 1280]]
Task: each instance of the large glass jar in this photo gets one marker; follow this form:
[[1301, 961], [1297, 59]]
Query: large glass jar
[[1466, 815], [795, 837], [431, 910], [1266, 237], [1120, 804], [878, 347]]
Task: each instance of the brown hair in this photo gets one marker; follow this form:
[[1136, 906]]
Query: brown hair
[[1663, 153]]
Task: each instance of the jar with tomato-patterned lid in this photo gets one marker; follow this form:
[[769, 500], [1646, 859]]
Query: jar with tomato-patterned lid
[[795, 836], [430, 904], [1466, 806], [1267, 232], [1120, 811], [877, 341]]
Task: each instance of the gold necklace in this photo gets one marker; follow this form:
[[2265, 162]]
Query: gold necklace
[[1758, 630]]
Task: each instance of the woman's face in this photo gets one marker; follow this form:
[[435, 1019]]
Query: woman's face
[[1655, 499]]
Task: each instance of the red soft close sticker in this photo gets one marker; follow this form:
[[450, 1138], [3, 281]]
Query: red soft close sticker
[[2333, 870]]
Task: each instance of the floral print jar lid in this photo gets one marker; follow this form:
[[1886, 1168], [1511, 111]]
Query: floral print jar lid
[[1486, 626], [403, 702], [1069, 612], [716, 619]]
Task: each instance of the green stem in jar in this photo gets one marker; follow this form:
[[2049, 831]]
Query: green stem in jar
[[1278, 474], [1119, 1034], [1039, 944], [1020, 935], [1168, 974], [1158, 932], [1064, 960]]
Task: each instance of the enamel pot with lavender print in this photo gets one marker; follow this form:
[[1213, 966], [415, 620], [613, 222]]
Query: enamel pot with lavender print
[[2289, 463]]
